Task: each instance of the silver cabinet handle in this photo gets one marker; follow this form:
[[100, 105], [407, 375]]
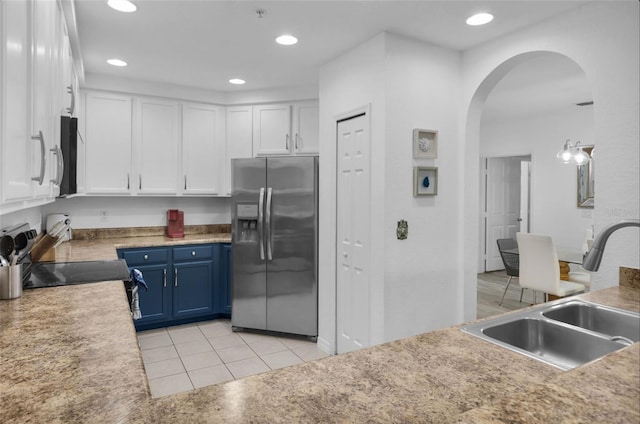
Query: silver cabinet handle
[[146, 257], [268, 224], [175, 277], [139, 181], [286, 142], [297, 139], [260, 222], [40, 136], [185, 182], [193, 253], [60, 165], [128, 181], [164, 277], [72, 106]]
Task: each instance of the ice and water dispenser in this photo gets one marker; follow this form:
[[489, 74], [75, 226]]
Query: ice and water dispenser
[[247, 223]]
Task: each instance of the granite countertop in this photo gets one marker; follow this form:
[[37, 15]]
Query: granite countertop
[[69, 354]]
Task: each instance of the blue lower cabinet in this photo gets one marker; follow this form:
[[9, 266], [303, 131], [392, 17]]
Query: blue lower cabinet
[[186, 283], [155, 302], [193, 289]]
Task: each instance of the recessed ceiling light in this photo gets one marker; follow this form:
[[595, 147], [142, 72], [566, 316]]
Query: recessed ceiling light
[[479, 19], [122, 5], [116, 62], [237, 81], [286, 40]]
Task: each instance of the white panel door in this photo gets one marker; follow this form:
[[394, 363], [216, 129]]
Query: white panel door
[[203, 149], [272, 129], [353, 234], [157, 147], [525, 169], [108, 137], [17, 145], [503, 206], [239, 140]]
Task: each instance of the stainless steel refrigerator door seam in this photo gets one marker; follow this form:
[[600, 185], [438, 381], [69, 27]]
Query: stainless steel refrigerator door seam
[[269, 241], [260, 222]]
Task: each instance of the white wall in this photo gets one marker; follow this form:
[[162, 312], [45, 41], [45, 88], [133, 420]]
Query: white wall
[[604, 40], [409, 84], [140, 211], [352, 81], [422, 91], [553, 204]]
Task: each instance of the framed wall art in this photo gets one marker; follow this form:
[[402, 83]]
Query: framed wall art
[[425, 144], [425, 181]]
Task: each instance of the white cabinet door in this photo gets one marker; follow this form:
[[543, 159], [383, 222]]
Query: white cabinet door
[[108, 143], [68, 91], [305, 128], [239, 137], [15, 134], [157, 147], [43, 26], [203, 149], [271, 129]]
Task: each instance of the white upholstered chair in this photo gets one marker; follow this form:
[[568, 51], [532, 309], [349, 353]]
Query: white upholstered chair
[[539, 268]]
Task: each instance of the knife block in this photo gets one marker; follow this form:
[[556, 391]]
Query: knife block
[[42, 251]]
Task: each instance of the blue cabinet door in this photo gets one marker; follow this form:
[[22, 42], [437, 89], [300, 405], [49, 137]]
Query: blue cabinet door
[[192, 289], [155, 303], [224, 284]]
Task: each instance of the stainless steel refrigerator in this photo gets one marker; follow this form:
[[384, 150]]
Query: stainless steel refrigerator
[[274, 244]]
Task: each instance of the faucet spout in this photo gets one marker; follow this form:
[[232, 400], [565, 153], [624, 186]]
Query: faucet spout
[[591, 260]]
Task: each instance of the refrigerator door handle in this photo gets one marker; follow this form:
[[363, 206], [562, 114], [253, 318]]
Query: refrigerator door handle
[[268, 224], [261, 222]]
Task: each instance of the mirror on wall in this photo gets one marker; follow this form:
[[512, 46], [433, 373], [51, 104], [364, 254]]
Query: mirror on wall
[[586, 181]]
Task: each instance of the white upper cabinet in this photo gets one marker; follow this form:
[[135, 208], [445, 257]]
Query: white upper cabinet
[[108, 143], [239, 138], [31, 68], [306, 130], [286, 129], [272, 129], [15, 135], [44, 23], [157, 146], [203, 149]]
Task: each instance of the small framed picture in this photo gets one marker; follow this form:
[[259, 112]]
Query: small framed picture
[[425, 144], [425, 181]]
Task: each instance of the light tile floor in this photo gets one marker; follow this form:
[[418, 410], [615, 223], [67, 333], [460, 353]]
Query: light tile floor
[[181, 358]]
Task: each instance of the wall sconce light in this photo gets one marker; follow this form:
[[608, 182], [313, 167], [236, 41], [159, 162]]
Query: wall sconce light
[[572, 154]]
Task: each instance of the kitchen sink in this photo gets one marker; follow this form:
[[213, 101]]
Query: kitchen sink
[[597, 318], [564, 334]]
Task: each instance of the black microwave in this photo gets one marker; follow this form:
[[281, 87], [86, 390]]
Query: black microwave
[[69, 147]]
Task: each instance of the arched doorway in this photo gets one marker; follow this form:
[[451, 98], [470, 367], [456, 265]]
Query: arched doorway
[[527, 107]]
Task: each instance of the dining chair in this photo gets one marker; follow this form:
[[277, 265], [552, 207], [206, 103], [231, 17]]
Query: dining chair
[[539, 269], [511, 262]]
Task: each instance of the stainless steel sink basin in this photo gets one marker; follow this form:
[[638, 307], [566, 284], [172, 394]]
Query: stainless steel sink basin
[[565, 333], [597, 318]]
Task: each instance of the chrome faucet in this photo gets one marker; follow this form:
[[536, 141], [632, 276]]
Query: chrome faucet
[[591, 260]]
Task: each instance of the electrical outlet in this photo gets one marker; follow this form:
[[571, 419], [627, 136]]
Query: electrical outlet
[[104, 216]]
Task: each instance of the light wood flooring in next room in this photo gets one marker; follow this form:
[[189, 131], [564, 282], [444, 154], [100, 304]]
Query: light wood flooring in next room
[[490, 288]]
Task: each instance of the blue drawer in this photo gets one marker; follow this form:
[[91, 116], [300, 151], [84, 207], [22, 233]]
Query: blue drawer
[[146, 256], [193, 253]]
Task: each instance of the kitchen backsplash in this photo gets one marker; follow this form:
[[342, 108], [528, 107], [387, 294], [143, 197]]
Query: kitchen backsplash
[[122, 212], [105, 233]]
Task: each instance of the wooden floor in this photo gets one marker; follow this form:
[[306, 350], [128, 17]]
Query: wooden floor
[[490, 288]]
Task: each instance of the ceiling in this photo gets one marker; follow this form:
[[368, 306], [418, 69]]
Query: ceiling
[[205, 43]]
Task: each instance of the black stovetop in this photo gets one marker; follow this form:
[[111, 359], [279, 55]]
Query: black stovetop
[[51, 274]]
